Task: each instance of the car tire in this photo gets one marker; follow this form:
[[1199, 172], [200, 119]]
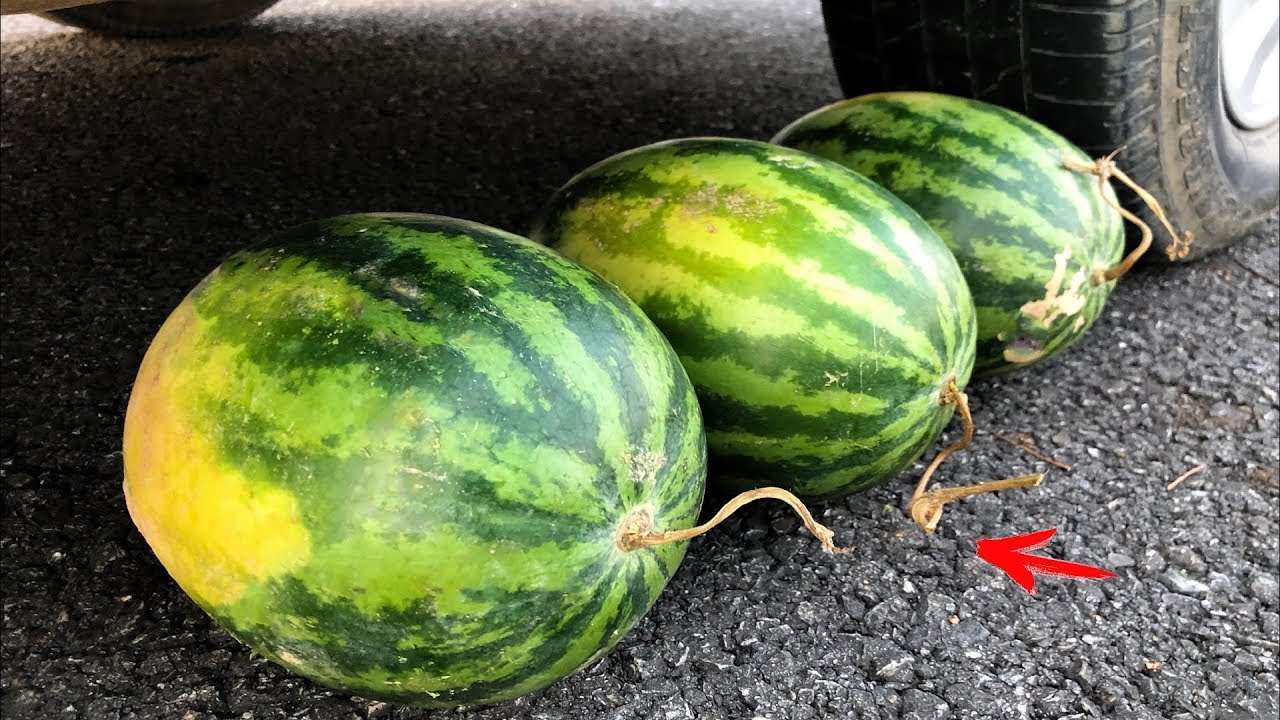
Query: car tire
[[160, 18], [1142, 74]]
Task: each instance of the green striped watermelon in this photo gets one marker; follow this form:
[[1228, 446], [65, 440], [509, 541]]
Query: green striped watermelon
[[1031, 236], [394, 454], [818, 316]]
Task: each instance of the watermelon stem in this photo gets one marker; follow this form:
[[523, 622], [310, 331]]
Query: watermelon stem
[[1106, 168], [926, 510], [637, 529], [926, 507], [951, 395]]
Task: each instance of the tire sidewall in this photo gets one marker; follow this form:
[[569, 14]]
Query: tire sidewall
[[1230, 174], [133, 18]]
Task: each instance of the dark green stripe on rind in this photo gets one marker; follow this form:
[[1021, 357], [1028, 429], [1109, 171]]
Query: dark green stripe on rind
[[817, 315], [464, 419], [1027, 232]]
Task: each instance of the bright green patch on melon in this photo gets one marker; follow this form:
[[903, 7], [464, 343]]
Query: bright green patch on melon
[[817, 315], [392, 453], [1028, 233]]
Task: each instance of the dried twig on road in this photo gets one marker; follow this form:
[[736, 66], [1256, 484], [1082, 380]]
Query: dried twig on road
[[1029, 448], [1269, 278], [1184, 476]]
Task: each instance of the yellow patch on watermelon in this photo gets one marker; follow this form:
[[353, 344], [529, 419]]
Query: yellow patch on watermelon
[[215, 530], [1061, 296], [1019, 355]]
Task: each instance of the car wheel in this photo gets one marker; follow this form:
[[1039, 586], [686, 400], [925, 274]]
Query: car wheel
[[158, 18], [1188, 87]]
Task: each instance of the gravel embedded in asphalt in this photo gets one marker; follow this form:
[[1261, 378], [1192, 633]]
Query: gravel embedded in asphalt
[[130, 169]]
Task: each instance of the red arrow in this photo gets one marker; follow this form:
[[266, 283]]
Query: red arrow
[[1008, 555]]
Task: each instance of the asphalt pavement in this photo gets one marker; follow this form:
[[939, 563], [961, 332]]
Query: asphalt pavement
[[130, 169]]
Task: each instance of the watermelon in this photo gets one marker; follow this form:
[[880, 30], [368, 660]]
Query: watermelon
[[818, 316], [1032, 236], [395, 454]]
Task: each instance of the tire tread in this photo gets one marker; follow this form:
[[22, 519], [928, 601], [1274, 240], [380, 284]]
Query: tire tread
[[1095, 70]]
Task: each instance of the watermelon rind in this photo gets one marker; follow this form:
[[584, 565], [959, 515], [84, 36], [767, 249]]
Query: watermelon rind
[[818, 316], [1032, 236], [393, 453]]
